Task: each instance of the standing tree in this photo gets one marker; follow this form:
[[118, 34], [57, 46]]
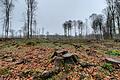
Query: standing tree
[[7, 6], [24, 27], [12, 31], [99, 20], [97, 24], [112, 9], [65, 29], [75, 25], [86, 24], [69, 24], [43, 30], [94, 23], [20, 33], [35, 27], [117, 3], [108, 25], [31, 8], [80, 27], [68, 29]]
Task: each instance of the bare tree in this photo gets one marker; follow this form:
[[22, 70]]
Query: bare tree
[[35, 27], [43, 30], [31, 9], [24, 28], [12, 31], [93, 23], [80, 27], [20, 33], [108, 25], [86, 24], [7, 8], [97, 24], [65, 29], [75, 26], [111, 9], [117, 3], [69, 24], [100, 20]]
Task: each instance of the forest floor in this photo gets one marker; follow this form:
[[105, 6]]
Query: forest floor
[[26, 59]]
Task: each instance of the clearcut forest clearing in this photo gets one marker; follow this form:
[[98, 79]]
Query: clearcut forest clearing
[[43, 59]]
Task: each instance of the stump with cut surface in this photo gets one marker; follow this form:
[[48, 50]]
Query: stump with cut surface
[[70, 58], [60, 57], [59, 53]]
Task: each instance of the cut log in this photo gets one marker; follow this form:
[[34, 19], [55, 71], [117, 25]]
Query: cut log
[[112, 60], [47, 74], [22, 61], [86, 65]]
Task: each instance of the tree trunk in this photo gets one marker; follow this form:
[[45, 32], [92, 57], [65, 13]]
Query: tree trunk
[[75, 31], [79, 32], [113, 22], [31, 20], [28, 20], [118, 23]]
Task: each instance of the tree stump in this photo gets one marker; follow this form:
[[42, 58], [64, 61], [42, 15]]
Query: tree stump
[[58, 61], [60, 57], [70, 58], [59, 53]]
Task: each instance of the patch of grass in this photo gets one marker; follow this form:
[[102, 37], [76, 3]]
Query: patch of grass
[[108, 66], [30, 43], [113, 52], [5, 71], [26, 73], [106, 72], [6, 45]]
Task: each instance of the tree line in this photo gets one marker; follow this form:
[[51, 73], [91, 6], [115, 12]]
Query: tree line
[[105, 26], [69, 25]]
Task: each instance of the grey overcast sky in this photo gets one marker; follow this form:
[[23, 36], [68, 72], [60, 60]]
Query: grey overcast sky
[[52, 13]]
